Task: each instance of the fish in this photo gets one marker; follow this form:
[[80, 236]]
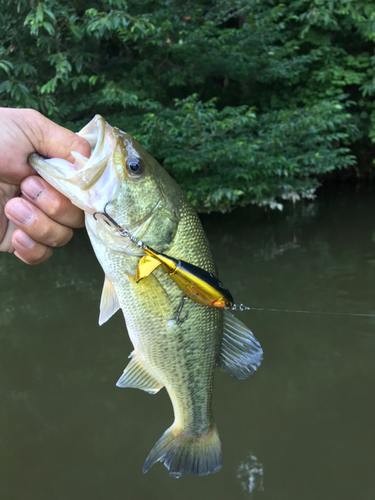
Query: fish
[[178, 354]]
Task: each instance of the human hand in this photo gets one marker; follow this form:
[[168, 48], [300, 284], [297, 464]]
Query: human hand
[[34, 217]]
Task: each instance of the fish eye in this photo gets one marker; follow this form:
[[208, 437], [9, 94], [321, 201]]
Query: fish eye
[[135, 167]]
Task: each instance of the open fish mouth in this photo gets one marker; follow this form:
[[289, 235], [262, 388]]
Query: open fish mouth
[[88, 182], [91, 183]]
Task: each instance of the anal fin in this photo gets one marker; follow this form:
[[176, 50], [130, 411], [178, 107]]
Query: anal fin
[[241, 353], [109, 303], [137, 377]]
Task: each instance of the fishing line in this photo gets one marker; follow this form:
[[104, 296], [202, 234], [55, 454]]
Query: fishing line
[[308, 312]]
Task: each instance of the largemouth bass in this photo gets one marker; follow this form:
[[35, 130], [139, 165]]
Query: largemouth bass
[[178, 355]]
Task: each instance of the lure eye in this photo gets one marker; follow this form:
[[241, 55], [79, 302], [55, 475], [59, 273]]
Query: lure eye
[[135, 167]]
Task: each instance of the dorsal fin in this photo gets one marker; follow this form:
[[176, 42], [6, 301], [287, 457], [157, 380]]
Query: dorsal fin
[[109, 303], [241, 353], [136, 376], [146, 266]]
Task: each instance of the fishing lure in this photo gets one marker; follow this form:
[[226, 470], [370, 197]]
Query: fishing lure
[[196, 283]]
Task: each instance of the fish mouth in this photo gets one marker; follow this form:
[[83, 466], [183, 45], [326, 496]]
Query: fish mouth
[[88, 182], [92, 183]]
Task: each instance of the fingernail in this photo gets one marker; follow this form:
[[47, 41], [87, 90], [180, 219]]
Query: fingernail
[[24, 240], [21, 212], [32, 188]]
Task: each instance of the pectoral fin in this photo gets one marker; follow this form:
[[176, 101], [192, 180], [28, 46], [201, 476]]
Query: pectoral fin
[[241, 353], [136, 376], [146, 266], [109, 303]]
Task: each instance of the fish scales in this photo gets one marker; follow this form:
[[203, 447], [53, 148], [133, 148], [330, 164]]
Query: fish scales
[[179, 355], [182, 361]]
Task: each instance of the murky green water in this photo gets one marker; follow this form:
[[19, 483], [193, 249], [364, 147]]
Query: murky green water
[[301, 428]]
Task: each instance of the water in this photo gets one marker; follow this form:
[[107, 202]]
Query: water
[[300, 428]]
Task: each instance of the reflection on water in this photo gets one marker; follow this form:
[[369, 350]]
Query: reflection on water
[[67, 432], [250, 474]]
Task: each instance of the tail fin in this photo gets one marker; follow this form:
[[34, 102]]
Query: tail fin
[[182, 454]]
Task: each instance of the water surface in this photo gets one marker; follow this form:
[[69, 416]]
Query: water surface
[[300, 428]]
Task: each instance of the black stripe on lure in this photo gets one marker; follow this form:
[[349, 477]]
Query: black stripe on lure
[[196, 283]]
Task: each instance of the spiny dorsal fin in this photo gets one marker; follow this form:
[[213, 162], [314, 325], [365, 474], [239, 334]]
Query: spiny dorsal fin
[[136, 376], [146, 266], [109, 303], [241, 353]]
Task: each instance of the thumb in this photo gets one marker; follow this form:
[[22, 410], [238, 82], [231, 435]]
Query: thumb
[[53, 141]]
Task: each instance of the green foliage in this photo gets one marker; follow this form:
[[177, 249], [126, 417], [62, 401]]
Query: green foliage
[[243, 102]]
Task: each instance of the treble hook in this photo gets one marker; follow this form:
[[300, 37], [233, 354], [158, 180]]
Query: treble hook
[[105, 215], [179, 310], [123, 232]]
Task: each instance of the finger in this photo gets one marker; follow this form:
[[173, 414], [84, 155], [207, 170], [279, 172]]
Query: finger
[[6, 244], [51, 202], [7, 191], [36, 224], [26, 131], [29, 251], [54, 141]]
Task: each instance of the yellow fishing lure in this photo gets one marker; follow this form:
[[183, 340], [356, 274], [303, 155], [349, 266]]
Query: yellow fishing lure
[[196, 283]]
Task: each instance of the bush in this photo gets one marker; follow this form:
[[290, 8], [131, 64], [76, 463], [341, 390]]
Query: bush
[[243, 102]]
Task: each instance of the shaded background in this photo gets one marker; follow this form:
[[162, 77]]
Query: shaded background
[[302, 427], [241, 101]]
